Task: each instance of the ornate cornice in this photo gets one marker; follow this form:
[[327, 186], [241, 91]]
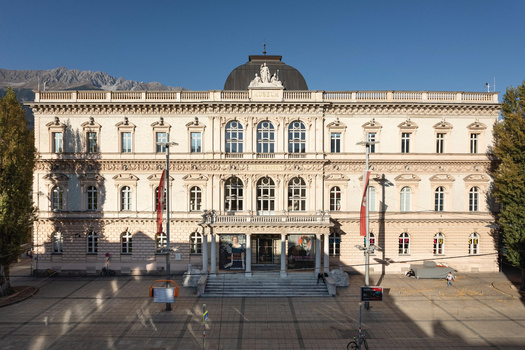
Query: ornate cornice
[[292, 167], [278, 108]]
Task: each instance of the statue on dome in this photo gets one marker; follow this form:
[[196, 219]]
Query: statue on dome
[[265, 73], [265, 80]]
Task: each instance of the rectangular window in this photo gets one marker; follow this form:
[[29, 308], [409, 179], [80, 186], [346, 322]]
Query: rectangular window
[[126, 142], [371, 137], [92, 146], [440, 143], [161, 137], [58, 142], [196, 142], [405, 142], [474, 143], [335, 142]]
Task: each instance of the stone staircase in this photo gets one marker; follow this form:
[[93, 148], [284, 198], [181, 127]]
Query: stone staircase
[[265, 284]]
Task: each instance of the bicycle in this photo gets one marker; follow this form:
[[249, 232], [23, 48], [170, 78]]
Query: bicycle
[[51, 272], [107, 271], [354, 344]]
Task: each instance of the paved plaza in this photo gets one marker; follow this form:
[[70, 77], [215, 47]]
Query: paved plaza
[[479, 311]]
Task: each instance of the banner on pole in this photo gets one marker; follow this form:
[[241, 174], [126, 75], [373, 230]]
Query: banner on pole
[[160, 202], [362, 219]]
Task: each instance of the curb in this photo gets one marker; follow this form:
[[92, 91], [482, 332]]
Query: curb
[[28, 291]]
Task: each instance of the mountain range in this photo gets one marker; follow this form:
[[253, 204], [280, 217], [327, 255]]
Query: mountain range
[[24, 82]]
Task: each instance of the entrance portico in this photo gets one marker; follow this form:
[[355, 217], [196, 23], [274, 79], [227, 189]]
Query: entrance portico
[[248, 242]]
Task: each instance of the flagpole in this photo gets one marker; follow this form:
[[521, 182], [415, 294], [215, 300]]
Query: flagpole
[[367, 249], [367, 211], [167, 145]]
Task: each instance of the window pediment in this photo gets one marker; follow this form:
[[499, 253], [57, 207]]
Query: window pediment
[[408, 125], [91, 125], [56, 124], [443, 125], [476, 126], [372, 125], [442, 178], [195, 178], [125, 178], [336, 125], [335, 177], [56, 177], [90, 178], [476, 178], [155, 178], [407, 178], [125, 125]]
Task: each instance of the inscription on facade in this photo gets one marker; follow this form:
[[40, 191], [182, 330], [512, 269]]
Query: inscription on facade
[[266, 167]]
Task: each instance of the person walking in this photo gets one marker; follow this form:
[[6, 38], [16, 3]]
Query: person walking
[[450, 278]]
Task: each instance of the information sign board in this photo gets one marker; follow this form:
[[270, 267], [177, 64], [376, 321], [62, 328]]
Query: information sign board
[[163, 295], [372, 293]]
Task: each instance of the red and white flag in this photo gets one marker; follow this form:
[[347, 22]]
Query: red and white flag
[[160, 202], [362, 220]]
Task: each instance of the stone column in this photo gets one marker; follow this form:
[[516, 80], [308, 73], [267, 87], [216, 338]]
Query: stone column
[[317, 254], [283, 255], [213, 255], [204, 252], [248, 257], [326, 253]]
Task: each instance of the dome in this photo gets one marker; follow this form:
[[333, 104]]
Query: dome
[[240, 77]]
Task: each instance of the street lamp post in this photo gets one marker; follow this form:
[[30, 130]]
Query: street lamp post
[[167, 145]]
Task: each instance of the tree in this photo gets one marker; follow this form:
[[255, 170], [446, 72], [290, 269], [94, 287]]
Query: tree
[[17, 160], [508, 172]]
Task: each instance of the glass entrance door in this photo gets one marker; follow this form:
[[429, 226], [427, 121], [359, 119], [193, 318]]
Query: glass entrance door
[[265, 251]]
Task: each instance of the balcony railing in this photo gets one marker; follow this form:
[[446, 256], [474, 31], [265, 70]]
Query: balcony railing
[[318, 218], [288, 96]]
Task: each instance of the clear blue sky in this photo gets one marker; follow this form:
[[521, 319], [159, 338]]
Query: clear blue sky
[[450, 45]]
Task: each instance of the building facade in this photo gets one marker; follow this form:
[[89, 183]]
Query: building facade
[[263, 176]]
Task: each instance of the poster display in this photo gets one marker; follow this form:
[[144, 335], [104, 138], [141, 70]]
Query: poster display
[[232, 252], [301, 252]]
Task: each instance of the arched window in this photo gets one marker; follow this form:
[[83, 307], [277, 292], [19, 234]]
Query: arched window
[[265, 196], [473, 244], [404, 203], [404, 243], [234, 137], [473, 199], [195, 198], [160, 242], [296, 194], [233, 198], [439, 199], [57, 241], [92, 198], [265, 137], [57, 198], [126, 243], [92, 242], [125, 198], [196, 243], [335, 244], [372, 198], [439, 244], [335, 198], [157, 199], [296, 137]]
